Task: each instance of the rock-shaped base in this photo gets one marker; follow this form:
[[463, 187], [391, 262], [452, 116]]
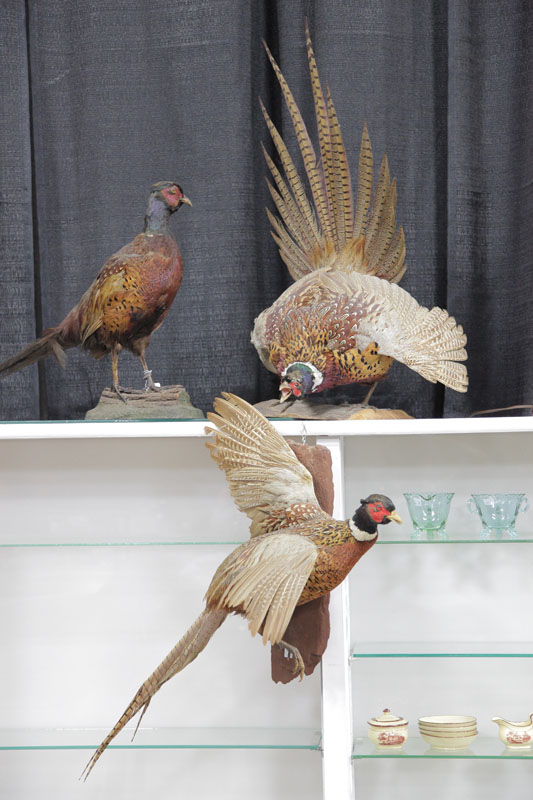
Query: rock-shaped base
[[307, 409], [170, 402]]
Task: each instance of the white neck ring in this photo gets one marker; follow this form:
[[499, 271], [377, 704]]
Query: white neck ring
[[318, 378], [359, 535]]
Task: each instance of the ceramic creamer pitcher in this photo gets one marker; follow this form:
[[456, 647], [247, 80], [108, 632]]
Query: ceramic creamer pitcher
[[515, 734]]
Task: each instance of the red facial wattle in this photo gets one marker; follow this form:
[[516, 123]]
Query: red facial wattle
[[377, 511], [173, 196], [295, 390]]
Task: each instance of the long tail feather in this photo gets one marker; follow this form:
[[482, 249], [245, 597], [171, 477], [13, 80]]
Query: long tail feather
[[314, 174], [343, 201], [46, 345], [185, 651], [324, 137], [364, 185], [349, 236]]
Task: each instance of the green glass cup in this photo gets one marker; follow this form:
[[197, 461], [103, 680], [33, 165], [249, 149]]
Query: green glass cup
[[429, 512], [498, 512]]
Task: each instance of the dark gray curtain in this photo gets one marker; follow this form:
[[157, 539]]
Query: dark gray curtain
[[101, 99]]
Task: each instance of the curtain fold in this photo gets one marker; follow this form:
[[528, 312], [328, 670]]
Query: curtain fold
[[490, 192], [103, 99], [19, 399]]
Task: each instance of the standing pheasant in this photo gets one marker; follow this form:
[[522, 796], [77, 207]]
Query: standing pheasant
[[297, 552], [128, 300], [344, 320]]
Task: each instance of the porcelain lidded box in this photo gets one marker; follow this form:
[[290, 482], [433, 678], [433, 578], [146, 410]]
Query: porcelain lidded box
[[388, 730]]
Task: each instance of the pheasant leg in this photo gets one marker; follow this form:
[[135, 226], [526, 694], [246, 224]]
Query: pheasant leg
[[369, 394], [114, 365], [299, 665], [149, 384]]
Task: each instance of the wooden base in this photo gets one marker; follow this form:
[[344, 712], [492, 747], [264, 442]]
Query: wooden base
[[308, 629], [307, 409], [170, 402]]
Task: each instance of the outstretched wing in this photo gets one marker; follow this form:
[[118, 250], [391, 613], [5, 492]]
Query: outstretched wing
[[264, 579], [265, 478], [430, 342]]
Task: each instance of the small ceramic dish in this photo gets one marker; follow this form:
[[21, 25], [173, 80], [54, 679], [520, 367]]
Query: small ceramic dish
[[447, 721], [447, 731], [451, 742]]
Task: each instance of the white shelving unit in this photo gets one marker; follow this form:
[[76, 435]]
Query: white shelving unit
[[101, 523], [194, 428]]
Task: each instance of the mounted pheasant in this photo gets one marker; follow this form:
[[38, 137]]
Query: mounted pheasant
[[297, 552], [128, 300], [344, 320]]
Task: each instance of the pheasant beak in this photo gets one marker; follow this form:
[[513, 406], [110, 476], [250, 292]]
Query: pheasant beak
[[285, 392], [395, 516], [185, 200]]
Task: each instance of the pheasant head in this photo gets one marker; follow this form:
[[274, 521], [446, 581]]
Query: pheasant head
[[165, 198], [170, 194], [376, 509], [299, 379]]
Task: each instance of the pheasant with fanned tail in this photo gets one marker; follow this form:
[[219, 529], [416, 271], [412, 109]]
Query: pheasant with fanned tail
[[344, 320], [297, 552]]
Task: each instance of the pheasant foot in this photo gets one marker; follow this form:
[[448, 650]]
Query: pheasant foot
[[118, 390], [299, 665]]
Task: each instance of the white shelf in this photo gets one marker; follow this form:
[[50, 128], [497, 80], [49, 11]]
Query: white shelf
[[80, 429], [53, 487]]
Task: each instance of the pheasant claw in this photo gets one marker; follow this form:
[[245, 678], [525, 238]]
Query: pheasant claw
[[118, 392], [299, 665]]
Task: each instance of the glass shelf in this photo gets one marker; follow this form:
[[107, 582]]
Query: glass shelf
[[466, 537], [211, 543], [163, 739], [382, 540], [416, 747], [442, 650]]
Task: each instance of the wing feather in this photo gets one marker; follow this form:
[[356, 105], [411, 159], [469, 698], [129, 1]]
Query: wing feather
[[265, 478], [428, 341], [264, 578]]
